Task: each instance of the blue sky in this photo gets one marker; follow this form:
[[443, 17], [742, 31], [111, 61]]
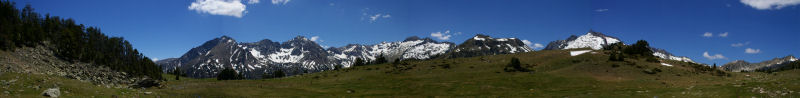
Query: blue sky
[[169, 28]]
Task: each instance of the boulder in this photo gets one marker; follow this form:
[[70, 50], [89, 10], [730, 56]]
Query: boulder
[[52, 92]]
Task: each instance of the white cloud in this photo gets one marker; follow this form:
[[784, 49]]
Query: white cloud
[[527, 42], [373, 18], [752, 51], [713, 57], [253, 1], [314, 38], [601, 10], [373, 15], [538, 45], [442, 36], [233, 8], [708, 34], [277, 2], [533, 45], [770, 4], [155, 59], [740, 44], [723, 34]]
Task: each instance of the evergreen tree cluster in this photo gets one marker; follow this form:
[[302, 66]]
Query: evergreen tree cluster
[[359, 62], [229, 74], [641, 49], [177, 72], [789, 66], [275, 74], [72, 41], [515, 65], [380, 60]]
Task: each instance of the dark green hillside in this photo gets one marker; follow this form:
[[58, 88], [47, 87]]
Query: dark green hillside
[[73, 42]]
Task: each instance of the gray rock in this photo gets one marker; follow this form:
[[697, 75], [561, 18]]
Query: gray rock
[[52, 92]]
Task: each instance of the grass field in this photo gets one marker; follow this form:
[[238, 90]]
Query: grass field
[[555, 74]]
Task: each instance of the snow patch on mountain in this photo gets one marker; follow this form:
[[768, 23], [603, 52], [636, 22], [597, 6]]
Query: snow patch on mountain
[[578, 52], [426, 50], [256, 53], [478, 38], [285, 56], [665, 64]]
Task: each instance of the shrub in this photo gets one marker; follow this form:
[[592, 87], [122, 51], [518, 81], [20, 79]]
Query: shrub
[[337, 66], [228, 74], [514, 65], [278, 73], [358, 62], [652, 71], [177, 73]]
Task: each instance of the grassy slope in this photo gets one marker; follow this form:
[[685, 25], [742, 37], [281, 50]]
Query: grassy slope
[[556, 74]]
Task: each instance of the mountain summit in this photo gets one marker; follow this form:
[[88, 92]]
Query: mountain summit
[[592, 39], [597, 40]]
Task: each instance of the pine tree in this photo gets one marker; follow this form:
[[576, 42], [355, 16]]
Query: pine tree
[[396, 61], [177, 73], [227, 74], [381, 59], [337, 66], [715, 66], [358, 62], [515, 65], [278, 73]]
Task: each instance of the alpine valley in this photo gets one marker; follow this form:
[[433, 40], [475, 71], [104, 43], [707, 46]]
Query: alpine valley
[[509, 48]]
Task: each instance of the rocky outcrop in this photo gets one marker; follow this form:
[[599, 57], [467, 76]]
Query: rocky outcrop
[[52, 92]]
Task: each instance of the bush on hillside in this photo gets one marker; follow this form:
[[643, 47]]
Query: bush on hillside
[[515, 65], [229, 74], [358, 62]]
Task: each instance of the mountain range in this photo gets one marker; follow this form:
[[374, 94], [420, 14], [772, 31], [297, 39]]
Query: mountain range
[[301, 55], [744, 66]]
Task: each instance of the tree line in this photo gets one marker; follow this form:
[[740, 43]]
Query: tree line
[[72, 42]]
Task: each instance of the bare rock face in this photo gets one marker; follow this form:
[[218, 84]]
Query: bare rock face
[[52, 92], [485, 45]]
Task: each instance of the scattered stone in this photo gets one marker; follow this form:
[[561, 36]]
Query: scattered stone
[[52, 92], [350, 91], [148, 93]]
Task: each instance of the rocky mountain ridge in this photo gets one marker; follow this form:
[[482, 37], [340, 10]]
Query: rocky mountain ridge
[[744, 66]]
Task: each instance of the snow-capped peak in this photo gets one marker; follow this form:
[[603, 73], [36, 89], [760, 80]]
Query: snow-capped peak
[[594, 40]]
